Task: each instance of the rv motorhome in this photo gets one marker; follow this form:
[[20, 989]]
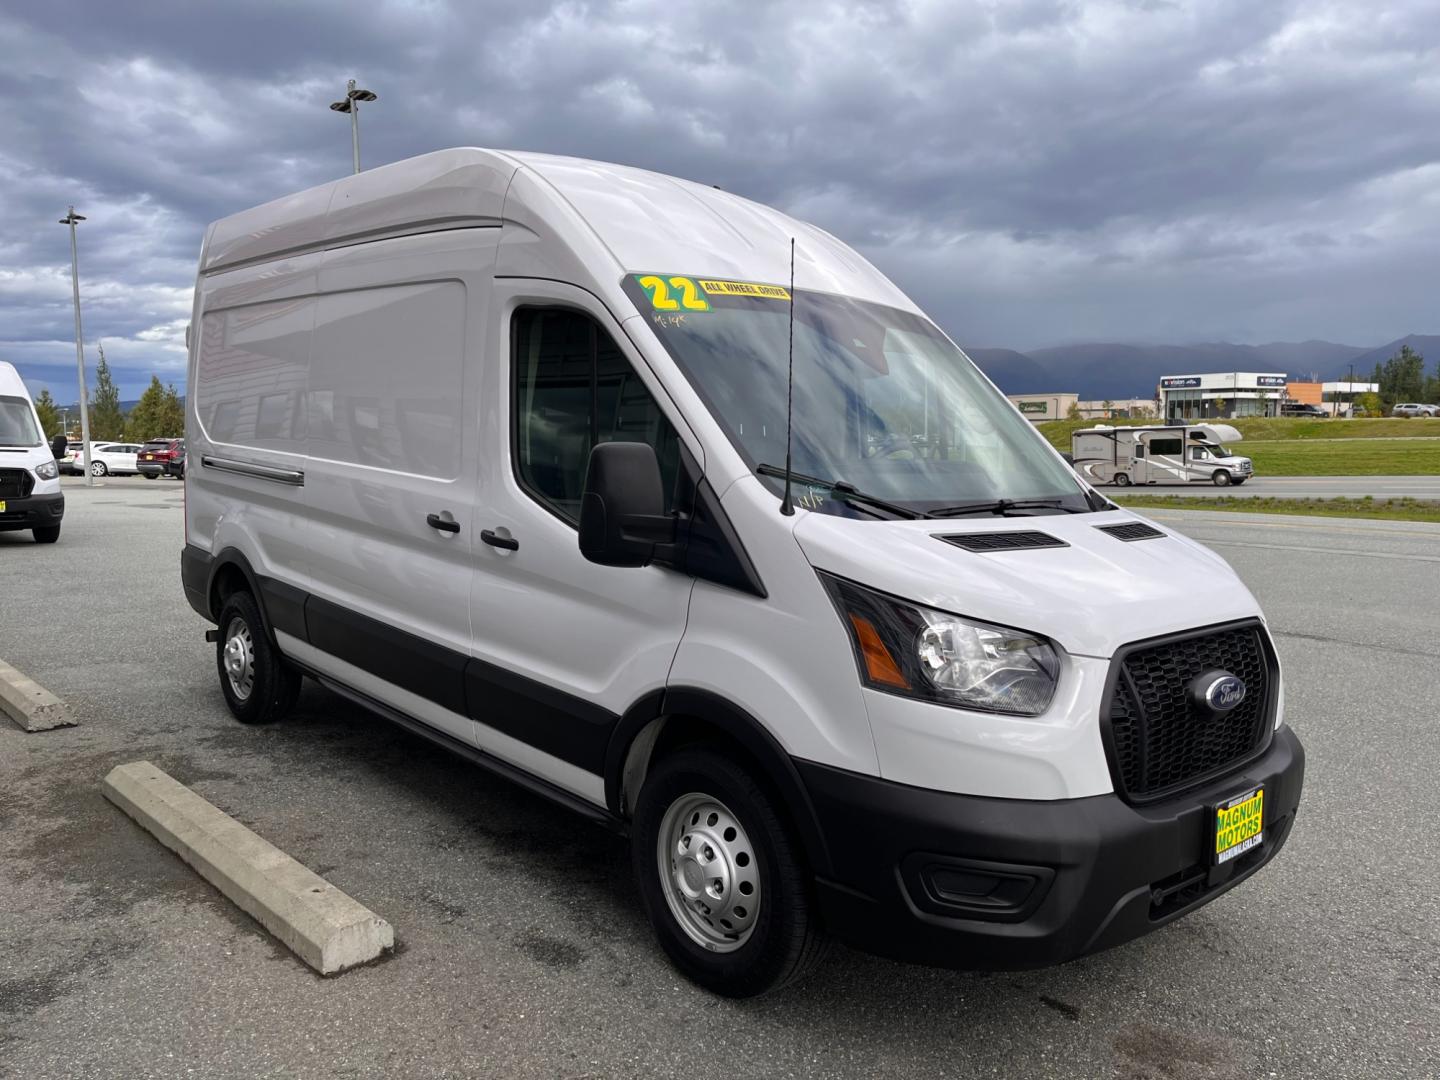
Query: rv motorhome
[[1159, 454]]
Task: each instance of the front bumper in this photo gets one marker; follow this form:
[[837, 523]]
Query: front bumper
[[992, 884], [32, 511]]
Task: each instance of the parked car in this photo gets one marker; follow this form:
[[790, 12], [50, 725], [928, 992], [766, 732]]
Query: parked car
[[73, 461], [955, 707], [1302, 408], [117, 458], [1415, 409], [158, 457]]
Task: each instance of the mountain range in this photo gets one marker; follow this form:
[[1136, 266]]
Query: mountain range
[[1114, 371]]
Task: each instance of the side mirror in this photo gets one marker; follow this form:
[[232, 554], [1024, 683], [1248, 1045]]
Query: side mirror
[[622, 512]]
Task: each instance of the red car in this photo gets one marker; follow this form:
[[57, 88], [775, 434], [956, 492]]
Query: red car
[[161, 457]]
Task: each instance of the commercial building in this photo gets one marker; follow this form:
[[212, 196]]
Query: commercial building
[[1122, 407], [1221, 395]]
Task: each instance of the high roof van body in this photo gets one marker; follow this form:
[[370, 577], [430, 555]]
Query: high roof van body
[[30, 497], [568, 467]]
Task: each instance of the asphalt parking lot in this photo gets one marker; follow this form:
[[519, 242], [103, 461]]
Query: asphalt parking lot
[[523, 950]]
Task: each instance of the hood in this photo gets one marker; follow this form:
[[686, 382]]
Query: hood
[[1092, 595]]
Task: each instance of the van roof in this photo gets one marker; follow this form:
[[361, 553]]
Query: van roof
[[643, 221], [10, 382]]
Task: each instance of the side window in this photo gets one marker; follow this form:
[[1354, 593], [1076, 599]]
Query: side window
[[572, 388], [1197, 453], [1139, 451]]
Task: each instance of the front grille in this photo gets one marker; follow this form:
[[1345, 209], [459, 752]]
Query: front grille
[[16, 483], [1158, 741], [1003, 541]]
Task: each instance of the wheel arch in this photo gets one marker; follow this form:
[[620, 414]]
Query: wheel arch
[[678, 716]]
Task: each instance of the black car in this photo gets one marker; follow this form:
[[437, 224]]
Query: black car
[[1300, 408]]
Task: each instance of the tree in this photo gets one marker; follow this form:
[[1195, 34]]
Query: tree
[[1074, 412], [1368, 405], [107, 422], [158, 413], [1107, 405], [1403, 377], [49, 414]]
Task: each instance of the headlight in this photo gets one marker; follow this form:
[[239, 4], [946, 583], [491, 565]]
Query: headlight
[[47, 470], [903, 648]]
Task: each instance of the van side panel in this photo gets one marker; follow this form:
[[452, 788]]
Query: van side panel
[[395, 376], [245, 406]]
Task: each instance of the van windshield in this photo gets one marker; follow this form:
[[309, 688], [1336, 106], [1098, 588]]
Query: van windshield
[[883, 401], [17, 422]]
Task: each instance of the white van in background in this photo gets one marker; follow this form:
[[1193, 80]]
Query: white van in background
[[497, 446], [29, 477], [1159, 454]]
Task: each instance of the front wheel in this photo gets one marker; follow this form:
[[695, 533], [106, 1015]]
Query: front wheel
[[97, 468], [1122, 479], [259, 686], [1221, 478], [721, 877]]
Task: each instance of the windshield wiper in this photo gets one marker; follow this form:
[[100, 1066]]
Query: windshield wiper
[[1002, 507], [846, 493]]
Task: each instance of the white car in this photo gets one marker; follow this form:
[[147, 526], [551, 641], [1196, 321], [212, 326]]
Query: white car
[[116, 458]]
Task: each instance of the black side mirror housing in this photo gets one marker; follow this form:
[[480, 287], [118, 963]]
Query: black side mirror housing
[[622, 510]]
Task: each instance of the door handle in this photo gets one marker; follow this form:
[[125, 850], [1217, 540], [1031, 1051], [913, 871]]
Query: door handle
[[435, 521], [505, 543]]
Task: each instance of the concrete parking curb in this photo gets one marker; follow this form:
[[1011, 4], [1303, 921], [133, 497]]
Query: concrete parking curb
[[29, 704], [319, 923]]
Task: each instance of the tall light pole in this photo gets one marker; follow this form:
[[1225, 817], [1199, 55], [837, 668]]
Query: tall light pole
[[72, 219], [351, 105]]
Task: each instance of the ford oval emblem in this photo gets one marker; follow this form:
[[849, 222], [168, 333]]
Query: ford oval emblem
[[1224, 693]]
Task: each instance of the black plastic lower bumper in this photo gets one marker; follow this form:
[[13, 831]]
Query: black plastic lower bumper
[[32, 511], [980, 883]]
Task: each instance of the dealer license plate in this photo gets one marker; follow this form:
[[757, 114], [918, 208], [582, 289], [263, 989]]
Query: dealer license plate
[[1239, 825]]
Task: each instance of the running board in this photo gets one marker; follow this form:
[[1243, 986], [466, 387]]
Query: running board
[[473, 754]]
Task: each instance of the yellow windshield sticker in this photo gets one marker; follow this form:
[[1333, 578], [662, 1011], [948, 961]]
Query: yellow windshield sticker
[[673, 293], [744, 288]]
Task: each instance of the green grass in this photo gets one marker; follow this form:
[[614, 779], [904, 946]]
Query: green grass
[[1349, 457], [1382, 509], [1265, 429]]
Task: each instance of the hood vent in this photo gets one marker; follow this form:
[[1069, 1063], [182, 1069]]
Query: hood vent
[[1133, 530], [1002, 541]]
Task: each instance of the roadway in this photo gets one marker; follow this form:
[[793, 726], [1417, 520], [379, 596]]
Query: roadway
[[523, 948], [1302, 487]]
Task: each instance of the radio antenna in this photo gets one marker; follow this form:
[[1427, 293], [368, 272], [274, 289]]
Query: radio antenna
[[786, 506]]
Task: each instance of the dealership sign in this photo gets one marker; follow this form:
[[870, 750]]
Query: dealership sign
[[1180, 382], [1034, 406]]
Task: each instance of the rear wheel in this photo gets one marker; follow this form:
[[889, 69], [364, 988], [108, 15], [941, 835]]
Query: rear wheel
[[721, 877], [97, 468], [1221, 478], [1122, 479], [259, 686], [150, 475], [47, 534]]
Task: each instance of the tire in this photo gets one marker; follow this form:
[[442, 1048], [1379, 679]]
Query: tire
[[272, 686], [97, 468], [1221, 478], [151, 476], [47, 534], [687, 799], [1122, 479]]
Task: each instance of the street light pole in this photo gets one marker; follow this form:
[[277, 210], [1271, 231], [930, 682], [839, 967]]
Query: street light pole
[[72, 219], [351, 105]]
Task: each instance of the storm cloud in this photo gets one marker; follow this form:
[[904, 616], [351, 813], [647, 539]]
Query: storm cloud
[[1032, 171]]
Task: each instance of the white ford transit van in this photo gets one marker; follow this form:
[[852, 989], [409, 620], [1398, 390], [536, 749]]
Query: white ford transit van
[[495, 445], [29, 476]]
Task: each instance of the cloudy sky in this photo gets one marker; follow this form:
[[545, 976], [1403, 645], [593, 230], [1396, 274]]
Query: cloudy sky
[[1033, 172]]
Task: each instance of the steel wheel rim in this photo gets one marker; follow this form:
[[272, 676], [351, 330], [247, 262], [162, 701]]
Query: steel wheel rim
[[238, 658], [709, 872]]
